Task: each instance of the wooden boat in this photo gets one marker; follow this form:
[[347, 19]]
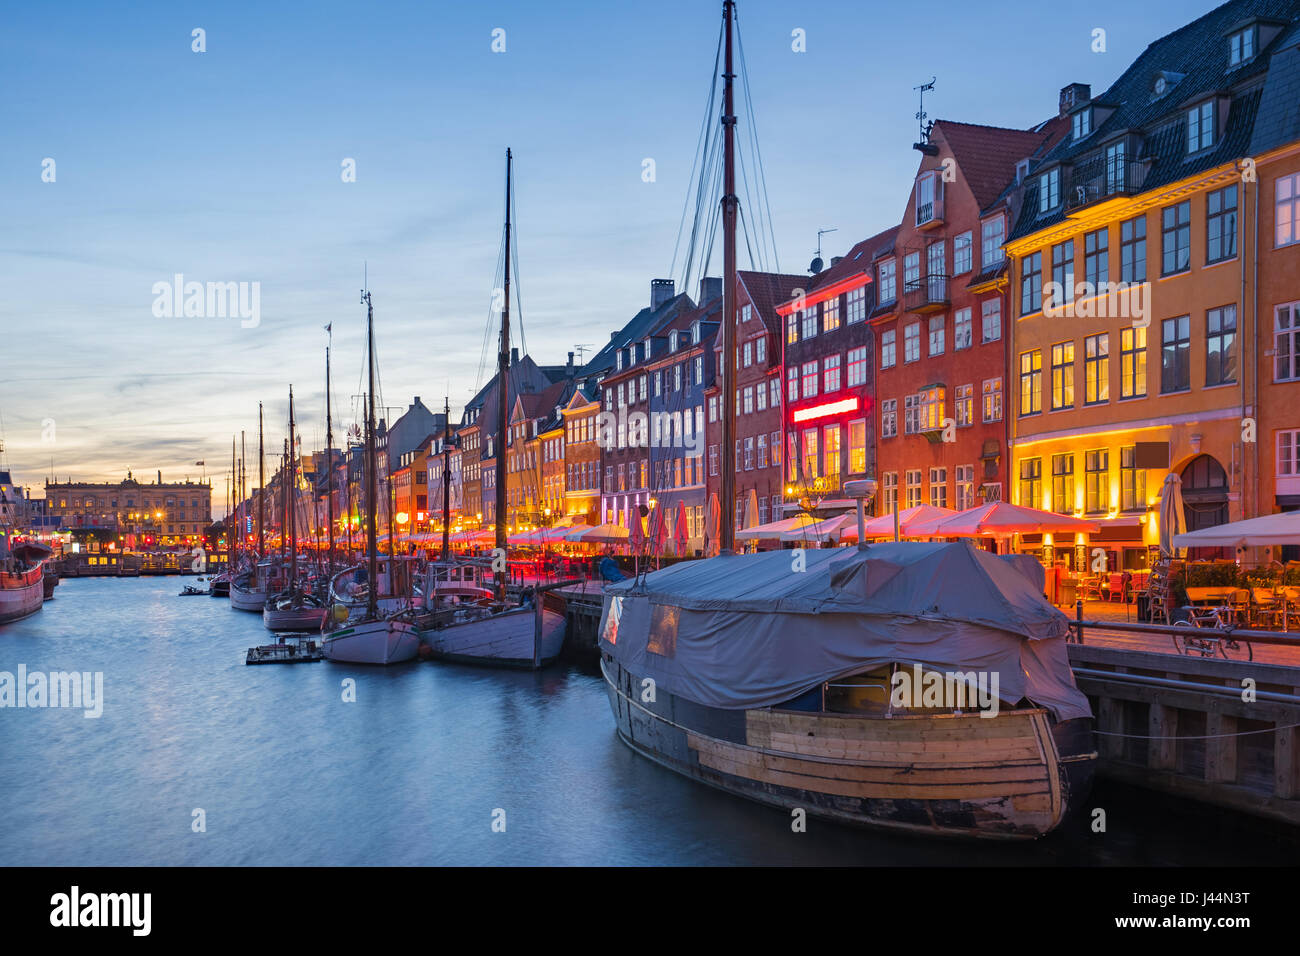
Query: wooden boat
[[22, 586], [371, 633], [522, 636], [782, 687], [50, 578], [286, 651]]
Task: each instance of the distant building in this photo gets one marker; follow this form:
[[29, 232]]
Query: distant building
[[131, 512]]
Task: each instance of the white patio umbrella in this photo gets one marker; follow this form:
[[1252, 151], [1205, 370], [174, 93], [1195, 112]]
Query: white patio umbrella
[[1275, 529], [1173, 520]]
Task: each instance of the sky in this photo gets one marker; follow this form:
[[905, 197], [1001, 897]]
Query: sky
[[228, 165]]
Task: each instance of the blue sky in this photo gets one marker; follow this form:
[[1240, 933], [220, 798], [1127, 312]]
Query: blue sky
[[225, 166]]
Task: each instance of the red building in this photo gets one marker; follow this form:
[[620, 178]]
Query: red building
[[941, 325]]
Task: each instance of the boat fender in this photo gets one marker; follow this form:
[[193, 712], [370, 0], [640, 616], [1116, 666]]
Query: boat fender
[[339, 612]]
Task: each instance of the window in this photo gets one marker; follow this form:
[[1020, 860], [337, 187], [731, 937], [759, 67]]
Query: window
[[855, 304], [1096, 259], [792, 383], [642, 387], [1221, 345], [993, 400], [746, 313], [748, 353], [749, 454], [911, 271], [775, 446], [760, 353], [913, 488], [677, 377], [809, 329], [858, 363], [1241, 46], [1031, 482], [762, 455], [937, 323], [831, 375], [713, 408], [1031, 382], [1175, 354], [1200, 127], [1221, 224], [992, 233], [1062, 375], [831, 449], [936, 278], [961, 329], [1096, 481], [1133, 363], [1286, 328], [1133, 250], [1062, 483], [858, 446], [1031, 283], [927, 194], [1176, 237], [1081, 123], [810, 371], [889, 501], [1286, 209], [931, 408], [1288, 453], [965, 487], [1063, 272], [811, 460], [912, 342], [658, 383], [760, 398], [1096, 369], [991, 315], [939, 487], [911, 414], [1049, 191], [748, 401], [1116, 168], [792, 328], [713, 460], [831, 315], [889, 418], [888, 276], [1132, 481], [962, 253], [963, 408], [888, 352]]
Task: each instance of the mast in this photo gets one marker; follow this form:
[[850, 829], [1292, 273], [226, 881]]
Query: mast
[[446, 478], [372, 569], [234, 491], [503, 392], [243, 492], [284, 499], [727, 375], [261, 493], [291, 496], [329, 457]]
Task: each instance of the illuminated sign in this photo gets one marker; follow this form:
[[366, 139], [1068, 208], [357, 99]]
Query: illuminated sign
[[830, 408]]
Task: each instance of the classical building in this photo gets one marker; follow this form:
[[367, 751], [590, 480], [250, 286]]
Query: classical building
[[130, 512]]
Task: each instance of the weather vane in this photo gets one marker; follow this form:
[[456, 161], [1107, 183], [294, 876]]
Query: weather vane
[[920, 113]]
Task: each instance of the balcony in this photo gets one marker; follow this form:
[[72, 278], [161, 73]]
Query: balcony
[[1094, 185], [927, 294], [929, 215]]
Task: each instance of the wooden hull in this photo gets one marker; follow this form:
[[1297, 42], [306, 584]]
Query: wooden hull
[[293, 619], [503, 640], [960, 775], [245, 600], [373, 642], [20, 595]]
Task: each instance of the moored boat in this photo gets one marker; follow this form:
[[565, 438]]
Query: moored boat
[[521, 636], [22, 587], [795, 689]]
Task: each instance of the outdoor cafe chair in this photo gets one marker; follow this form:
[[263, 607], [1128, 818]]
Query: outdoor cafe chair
[[1115, 587]]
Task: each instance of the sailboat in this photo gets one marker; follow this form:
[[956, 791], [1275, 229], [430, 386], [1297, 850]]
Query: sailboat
[[369, 633], [250, 588], [296, 607], [526, 634], [812, 688]]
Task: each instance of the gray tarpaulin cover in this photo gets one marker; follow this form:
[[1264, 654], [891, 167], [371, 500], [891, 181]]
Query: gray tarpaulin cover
[[751, 630]]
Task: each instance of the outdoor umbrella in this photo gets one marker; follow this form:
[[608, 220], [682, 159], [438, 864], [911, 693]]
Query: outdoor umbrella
[[751, 509], [1275, 529], [635, 534], [1173, 520], [602, 534], [776, 530], [681, 530], [714, 525], [1001, 519], [658, 532], [908, 518], [844, 527]]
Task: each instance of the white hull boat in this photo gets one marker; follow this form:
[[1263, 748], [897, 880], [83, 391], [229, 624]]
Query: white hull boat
[[243, 599], [373, 642], [502, 640], [293, 618]]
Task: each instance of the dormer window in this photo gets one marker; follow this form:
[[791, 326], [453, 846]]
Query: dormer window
[[1022, 171], [618, 360], [695, 331], [1082, 123], [1200, 127], [928, 193], [1241, 46], [1049, 190]]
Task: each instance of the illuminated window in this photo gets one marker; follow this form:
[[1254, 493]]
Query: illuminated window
[[1062, 375], [831, 315], [1096, 369], [1031, 482], [992, 399], [1031, 382], [964, 405], [1132, 481], [1096, 472], [1062, 484], [1133, 362], [858, 446], [831, 450], [939, 487]]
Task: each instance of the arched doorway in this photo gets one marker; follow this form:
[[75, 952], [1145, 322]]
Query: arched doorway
[[1205, 501]]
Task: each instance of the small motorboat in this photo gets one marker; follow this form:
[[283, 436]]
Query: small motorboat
[[192, 590]]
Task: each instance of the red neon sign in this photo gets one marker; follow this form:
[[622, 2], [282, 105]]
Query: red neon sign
[[829, 408]]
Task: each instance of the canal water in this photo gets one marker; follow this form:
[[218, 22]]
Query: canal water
[[415, 771]]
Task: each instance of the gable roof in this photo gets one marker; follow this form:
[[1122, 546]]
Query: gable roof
[[645, 323], [987, 155], [768, 289]]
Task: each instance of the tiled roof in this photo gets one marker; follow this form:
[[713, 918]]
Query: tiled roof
[[768, 289], [857, 259], [987, 155], [645, 323], [1198, 53], [1278, 120]]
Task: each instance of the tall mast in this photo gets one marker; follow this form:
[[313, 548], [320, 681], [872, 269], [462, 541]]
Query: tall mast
[[329, 455], [261, 492], [446, 478], [372, 596], [292, 495], [284, 499], [234, 493], [243, 490], [503, 391], [727, 375]]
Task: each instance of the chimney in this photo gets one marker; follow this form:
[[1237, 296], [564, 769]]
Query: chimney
[[661, 290], [568, 367], [710, 289], [514, 355], [1076, 94], [835, 260]]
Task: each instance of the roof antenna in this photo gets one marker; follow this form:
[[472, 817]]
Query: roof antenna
[[817, 264]]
